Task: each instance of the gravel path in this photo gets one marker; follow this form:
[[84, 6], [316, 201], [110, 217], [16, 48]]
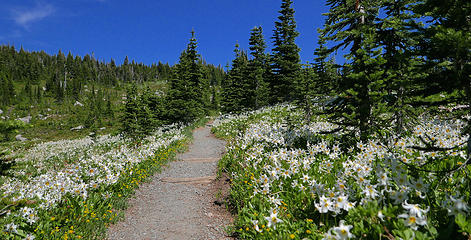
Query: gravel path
[[178, 203]]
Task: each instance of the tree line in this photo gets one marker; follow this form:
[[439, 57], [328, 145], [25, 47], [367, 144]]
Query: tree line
[[89, 92], [61, 76]]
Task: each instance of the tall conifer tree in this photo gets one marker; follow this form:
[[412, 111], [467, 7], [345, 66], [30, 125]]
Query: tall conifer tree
[[233, 97], [447, 44], [351, 24], [399, 43], [186, 89], [258, 68], [285, 55], [129, 119]]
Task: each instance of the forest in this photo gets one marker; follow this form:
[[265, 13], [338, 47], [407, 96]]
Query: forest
[[374, 147]]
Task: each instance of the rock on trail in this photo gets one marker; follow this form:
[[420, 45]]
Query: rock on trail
[[179, 202]]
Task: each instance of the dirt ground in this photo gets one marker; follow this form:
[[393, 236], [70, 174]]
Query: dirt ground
[[185, 201]]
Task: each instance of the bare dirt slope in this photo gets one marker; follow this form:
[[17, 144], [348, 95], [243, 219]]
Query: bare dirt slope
[[179, 203]]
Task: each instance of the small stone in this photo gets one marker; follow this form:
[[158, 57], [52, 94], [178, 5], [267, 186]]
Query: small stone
[[77, 103], [77, 128], [20, 138], [26, 119]]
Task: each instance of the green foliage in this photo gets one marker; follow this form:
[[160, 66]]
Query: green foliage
[[326, 82], [464, 224], [258, 70], [188, 93], [445, 44], [48, 87], [383, 71], [142, 113], [401, 66], [285, 60], [10, 127], [237, 89], [362, 85], [7, 90], [307, 90], [364, 89], [245, 86], [131, 107]]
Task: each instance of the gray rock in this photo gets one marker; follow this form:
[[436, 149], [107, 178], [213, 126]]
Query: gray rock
[[77, 128], [20, 138], [26, 119], [42, 117], [77, 103], [1, 111]]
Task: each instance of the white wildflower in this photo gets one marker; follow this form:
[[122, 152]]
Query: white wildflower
[[343, 231]]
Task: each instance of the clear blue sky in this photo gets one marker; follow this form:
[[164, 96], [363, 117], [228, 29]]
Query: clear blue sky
[[150, 30]]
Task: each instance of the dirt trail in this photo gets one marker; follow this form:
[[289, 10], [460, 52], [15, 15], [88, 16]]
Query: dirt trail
[[179, 202]]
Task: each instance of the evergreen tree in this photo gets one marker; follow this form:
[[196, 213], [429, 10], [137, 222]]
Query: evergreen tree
[[317, 81], [215, 97], [205, 86], [285, 55], [351, 23], [446, 43], [129, 120], [126, 70], [146, 118], [10, 90], [109, 108], [28, 90], [185, 96], [327, 81], [38, 94], [57, 86], [92, 111], [446, 47], [233, 97], [399, 43], [195, 76], [258, 69], [7, 89]]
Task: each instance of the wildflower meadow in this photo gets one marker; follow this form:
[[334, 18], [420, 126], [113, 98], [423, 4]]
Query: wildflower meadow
[[296, 180], [73, 189]]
